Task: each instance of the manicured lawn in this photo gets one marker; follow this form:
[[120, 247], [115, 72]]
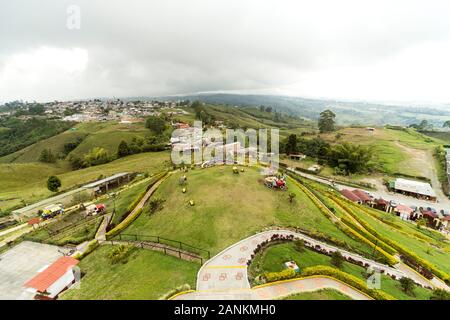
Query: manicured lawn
[[124, 199], [426, 245], [145, 275], [325, 294], [273, 258], [228, 207]]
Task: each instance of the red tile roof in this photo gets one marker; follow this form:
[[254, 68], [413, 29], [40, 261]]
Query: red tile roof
[[362, 195], [34, 221], [350, 195], [43, 280], [430, 214], [404, 209], [382, 201]]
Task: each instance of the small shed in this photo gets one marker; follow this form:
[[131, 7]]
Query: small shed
[[54, 279]]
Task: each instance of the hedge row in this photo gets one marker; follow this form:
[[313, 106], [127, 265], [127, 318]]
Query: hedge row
[[369, 232], [278, 276], [368, 235], [90, 247], [410, 255], [344, 228], [346, 278], [133, 215]]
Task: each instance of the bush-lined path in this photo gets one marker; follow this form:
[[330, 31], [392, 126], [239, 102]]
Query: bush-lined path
[[225, 275]]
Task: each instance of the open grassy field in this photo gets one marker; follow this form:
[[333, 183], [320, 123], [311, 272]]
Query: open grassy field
[[396, 151], [27, 182], [109, 135], [229, 207], [272, 259], [146, 275], [325, 294]]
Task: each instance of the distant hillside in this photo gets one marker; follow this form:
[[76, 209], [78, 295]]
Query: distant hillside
[[355, 113], [106, 135]]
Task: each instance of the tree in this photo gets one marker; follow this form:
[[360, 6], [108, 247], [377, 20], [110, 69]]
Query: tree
[[440, 294], [326, 121], [351, 158], [446, 124], [269, 109], [96, 156], [155, 124], [299, 245], [407, 285], [122, 149], [291, 144], [337, 259], [47, 156], [76, 162], [291, 196], [53, 183]]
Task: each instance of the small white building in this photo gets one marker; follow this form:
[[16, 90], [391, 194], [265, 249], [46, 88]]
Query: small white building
[[52, 280]]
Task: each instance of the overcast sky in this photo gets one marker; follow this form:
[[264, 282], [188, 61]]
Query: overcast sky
[[371, 50]]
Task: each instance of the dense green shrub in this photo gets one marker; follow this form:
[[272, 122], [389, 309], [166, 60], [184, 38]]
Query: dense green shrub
[[346, 278], [120, 254], [282, 275]]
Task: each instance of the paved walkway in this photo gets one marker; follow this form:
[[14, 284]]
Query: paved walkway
[[278, 290], [225, 275]]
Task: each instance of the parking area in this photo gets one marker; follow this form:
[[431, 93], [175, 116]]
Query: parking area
[[21, 263]]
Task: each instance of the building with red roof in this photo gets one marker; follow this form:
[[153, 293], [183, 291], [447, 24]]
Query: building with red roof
[[351, 196], [54, 279], [362, 195]]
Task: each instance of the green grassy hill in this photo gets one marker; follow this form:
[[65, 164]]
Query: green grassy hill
[[27, 181], [229, 207], [107, 135]]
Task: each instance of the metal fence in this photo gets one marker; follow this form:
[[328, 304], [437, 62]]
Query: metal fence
[[205, 254], [162, 248]]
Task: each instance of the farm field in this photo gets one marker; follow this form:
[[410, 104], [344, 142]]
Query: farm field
[[145, 275], [272, 259], [27, 182], [71, 228], [228, 207]]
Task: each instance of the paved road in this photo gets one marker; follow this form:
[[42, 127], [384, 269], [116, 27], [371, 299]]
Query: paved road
[[225, 275], [399, 198]]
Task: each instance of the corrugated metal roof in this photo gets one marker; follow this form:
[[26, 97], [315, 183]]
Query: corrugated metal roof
[[51, 274], [412, 186], [102, 181]]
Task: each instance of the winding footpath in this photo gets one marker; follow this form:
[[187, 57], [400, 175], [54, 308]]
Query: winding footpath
[[225, 275]]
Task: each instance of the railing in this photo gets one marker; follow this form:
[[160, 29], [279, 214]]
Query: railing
[[173, 243], [162, 248]]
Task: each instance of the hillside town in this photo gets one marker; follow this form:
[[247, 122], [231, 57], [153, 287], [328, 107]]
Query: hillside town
[[95, 110]]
